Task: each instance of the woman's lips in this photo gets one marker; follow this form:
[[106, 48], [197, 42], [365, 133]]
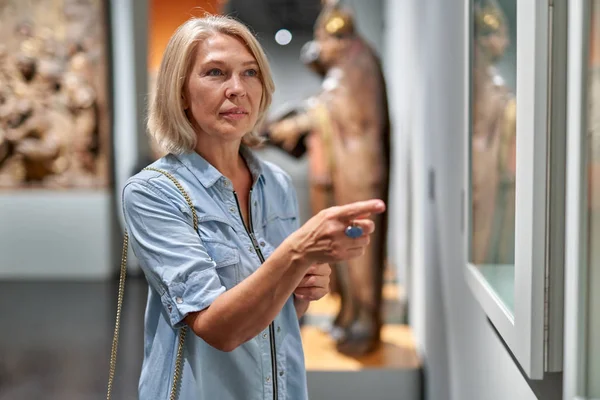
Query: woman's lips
[[235, 116]]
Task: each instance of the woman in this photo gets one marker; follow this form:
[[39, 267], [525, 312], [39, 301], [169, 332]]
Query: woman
[[241, 281]]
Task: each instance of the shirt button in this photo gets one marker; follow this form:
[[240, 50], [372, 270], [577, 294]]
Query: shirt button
[[265, 335], [278, 329], [268, 379], [179, 300], [281, 373], [255, 203], [226, 183], [232, 209], [251, 249], [262, 244]]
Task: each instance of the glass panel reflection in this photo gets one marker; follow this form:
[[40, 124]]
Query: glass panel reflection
[[493, 141], [593, 211]]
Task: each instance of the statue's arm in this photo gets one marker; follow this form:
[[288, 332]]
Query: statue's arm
[[288, 131]]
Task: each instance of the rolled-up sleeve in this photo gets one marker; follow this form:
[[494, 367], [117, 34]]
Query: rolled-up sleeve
[[171, 254]]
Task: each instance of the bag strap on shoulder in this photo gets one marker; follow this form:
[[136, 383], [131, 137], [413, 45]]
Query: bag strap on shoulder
[[178, 372]]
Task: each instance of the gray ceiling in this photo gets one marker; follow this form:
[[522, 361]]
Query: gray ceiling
[[268, 16]]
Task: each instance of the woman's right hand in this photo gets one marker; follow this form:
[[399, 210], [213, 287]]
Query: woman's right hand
[[322, 239]]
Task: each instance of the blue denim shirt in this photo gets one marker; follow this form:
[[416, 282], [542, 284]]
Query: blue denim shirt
[[188, 270]]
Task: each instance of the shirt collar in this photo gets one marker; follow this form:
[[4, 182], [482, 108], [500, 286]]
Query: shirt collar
[[208, 175], [254, 164]]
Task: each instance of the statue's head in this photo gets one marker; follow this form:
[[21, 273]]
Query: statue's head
[[491, 29], [333, 34], [334, 20]]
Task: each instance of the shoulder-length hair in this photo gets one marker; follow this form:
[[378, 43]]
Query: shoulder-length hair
[[168, 123]]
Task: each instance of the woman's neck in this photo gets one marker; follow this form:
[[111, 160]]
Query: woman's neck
[[225, 157]]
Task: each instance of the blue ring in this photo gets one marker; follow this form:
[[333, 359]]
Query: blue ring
[[354, 231]]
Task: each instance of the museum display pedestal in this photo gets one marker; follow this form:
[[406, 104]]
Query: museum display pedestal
[[56, 235], [393, 371]]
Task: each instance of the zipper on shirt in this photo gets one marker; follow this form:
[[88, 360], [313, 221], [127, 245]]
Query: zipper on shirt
[[250, 232]]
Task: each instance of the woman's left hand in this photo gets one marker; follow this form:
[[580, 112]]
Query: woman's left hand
[[315, 283]]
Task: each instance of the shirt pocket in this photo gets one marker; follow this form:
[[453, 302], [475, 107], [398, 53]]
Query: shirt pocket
[[227, 260], [278, 225]]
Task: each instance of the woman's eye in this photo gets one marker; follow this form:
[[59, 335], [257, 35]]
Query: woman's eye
[[214, 72], [252, 72]]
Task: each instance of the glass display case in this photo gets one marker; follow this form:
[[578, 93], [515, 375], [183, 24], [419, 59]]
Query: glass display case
[[514, 194], [493, 144]]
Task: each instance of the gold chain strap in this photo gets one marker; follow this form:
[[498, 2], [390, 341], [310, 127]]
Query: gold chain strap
[[177, 374], [115, 341]]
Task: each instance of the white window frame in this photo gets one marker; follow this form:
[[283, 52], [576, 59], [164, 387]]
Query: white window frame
[[533, 334], [576, 239]]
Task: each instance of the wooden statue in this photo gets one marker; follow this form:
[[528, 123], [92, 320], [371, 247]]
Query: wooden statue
[[493, 143], [346, 131]]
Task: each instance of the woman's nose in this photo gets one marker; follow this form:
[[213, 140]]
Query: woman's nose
[[235, 87]]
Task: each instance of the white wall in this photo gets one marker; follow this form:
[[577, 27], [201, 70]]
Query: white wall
[[411, 209], [399, 72], [56, 235], [464, 359]]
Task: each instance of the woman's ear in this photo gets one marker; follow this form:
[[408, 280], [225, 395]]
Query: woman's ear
[[184, 101]]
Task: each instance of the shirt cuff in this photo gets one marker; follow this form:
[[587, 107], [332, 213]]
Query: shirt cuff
[[195, 294]]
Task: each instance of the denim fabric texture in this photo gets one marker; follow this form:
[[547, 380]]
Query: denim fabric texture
[[188, 270]]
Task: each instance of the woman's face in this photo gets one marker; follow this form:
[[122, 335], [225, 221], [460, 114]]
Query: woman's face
[[223, 91]]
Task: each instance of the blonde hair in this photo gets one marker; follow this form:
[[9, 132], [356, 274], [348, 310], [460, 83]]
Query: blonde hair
[[168, 123]]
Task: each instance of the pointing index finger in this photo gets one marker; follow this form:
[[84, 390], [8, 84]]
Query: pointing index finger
[[360, 208]]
